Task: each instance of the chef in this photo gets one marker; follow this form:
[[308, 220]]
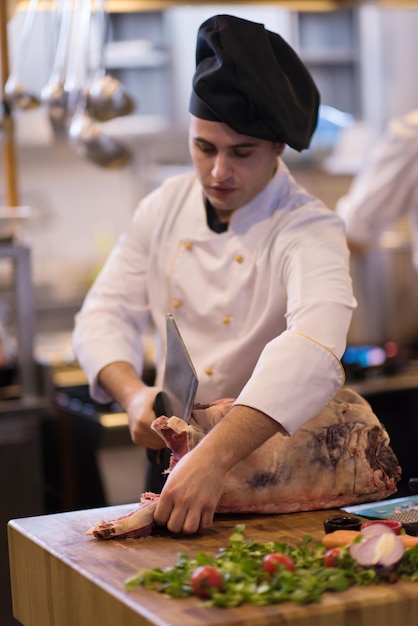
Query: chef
[[386, 187], [253, 268]]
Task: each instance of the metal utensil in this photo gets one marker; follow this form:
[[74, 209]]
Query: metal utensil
[[76, 70], [180, 380], [84, 135], [90, 143], [106, 96], [53, 93], [17, 94]]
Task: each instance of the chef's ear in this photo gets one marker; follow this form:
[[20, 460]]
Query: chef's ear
[[279, 147]]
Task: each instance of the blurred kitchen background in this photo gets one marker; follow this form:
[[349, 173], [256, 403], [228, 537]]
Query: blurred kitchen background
[[67, 195]]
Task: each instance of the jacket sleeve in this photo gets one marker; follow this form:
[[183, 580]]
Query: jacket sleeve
[[299, 371], [384, 189], [115, 313]]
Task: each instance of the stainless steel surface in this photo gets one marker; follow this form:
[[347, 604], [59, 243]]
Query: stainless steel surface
[[386, 287], [180, 379], [25, 315], [378, 384]]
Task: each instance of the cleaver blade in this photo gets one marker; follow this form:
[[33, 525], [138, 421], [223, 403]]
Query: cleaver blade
[[180, 380]]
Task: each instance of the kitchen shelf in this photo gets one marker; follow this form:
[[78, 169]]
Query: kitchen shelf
[[152, 59], [138, 54], [329, 45], [134, 53], [325, 57]]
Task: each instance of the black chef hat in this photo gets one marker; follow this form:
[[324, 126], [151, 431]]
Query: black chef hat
[[253, 81]]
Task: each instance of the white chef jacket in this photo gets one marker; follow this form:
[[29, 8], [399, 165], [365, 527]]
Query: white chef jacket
[[386, 187], [264, 308]]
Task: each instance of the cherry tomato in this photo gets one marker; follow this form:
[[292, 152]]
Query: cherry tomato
[[204, 579], [331, 557], [272, 562]]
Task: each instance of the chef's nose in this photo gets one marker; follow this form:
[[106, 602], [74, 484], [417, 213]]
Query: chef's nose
[[221, 169]]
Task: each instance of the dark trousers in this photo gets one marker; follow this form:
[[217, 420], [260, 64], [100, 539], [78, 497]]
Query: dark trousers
[[158, 461]]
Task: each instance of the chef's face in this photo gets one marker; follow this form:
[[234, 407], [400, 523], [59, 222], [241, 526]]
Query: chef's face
[[232, 168]]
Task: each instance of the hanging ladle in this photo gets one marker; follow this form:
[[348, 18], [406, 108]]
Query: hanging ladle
[[54, 94], [106, 96], [84, 134], [90, 143], [15, 91]]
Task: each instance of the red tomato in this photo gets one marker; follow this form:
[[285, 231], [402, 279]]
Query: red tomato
[[204, 579], [390, 523], [272, 562], [331, 557]]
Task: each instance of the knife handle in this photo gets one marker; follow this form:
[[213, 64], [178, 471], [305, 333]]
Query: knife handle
[[159, 404], [161, 407], [162, 404]]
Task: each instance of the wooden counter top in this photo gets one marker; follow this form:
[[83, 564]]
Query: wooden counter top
[[61, 577]]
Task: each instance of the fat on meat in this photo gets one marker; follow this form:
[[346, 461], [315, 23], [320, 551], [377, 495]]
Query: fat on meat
[[340, 457]]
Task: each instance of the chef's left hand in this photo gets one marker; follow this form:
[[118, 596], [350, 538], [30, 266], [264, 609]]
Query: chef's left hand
[[189, 498], [195, 485]]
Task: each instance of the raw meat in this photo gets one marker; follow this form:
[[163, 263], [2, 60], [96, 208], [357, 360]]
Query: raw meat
[[340, 457], [139, 523]]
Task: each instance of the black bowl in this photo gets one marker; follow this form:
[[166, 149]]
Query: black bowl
[[342, 522]]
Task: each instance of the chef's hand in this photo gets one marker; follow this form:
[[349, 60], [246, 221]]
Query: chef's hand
[[194, 487], [122, 383], [190, 496], [357, 249], [140, 410]]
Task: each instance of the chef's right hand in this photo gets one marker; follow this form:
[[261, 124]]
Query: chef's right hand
[[141, 414], [122, 383], [356, 249]]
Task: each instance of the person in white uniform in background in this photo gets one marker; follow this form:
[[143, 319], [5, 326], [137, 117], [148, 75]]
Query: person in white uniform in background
[[385, 189], [254, 269]]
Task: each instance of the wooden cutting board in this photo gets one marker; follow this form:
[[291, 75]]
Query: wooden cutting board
[[61, 577]]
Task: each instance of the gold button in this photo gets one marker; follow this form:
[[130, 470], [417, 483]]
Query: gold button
[[239, 258], [226, 320], [176, 304], [188, 245], [209, 371]]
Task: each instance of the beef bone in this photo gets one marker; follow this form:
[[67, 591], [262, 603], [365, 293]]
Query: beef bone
[[138, 523]]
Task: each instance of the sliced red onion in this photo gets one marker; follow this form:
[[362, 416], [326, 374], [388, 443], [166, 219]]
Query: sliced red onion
[[375, 529], [384, 549]]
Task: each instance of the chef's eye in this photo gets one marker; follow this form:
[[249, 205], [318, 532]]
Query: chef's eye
[[242, 154], [206, 148]]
